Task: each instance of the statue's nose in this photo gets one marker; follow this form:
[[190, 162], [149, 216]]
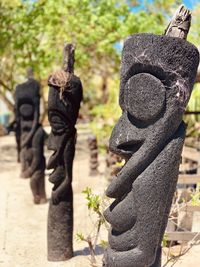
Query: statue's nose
[[117, 136], [52, 142], [126, 138]]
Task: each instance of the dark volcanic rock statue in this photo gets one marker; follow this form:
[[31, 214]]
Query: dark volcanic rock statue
[[65, 95], [157, 76], [32, 135]]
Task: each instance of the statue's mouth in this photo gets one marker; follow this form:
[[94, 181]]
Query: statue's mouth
[[57, 175], [52, 161], [127, 149]]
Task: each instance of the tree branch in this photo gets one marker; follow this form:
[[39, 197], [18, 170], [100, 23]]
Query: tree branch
[[5, 86]]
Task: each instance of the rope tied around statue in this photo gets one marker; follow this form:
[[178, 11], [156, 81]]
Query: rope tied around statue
[[60, 79]]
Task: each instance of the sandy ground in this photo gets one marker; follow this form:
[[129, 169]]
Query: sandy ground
[[23, 224]]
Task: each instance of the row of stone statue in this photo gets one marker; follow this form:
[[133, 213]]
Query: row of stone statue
[[157, 76], [65, 95]]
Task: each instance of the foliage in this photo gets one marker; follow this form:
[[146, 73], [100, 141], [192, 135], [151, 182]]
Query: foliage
[[93, 200], [20, 25], [93, 204], [194, 103], [106, 115], [164, 240], [33, 34], [104, 244], [194, 34], [80, 237], [159, 12], [196, 196], [193, 120]]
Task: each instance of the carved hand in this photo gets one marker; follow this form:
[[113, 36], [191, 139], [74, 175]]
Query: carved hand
[[59, 192]]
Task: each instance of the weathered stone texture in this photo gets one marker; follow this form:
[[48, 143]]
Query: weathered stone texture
[[32, 135], [63, 107], [157, 76]]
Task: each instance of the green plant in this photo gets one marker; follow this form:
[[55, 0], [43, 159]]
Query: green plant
[[196, 196], [164, 241], [93, 204], [193, 105], [93, 200], [106, 115]]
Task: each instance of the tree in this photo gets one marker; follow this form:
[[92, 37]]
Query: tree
[[33, 34], [20, 44]]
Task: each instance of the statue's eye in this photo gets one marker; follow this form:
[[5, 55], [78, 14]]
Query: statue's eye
[[144, 96], [57, 123], [26, 110], [56, 119]]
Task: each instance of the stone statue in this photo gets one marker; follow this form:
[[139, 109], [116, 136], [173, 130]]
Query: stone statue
[[65, 95], [32, 135], [93, 151], [157, 76]]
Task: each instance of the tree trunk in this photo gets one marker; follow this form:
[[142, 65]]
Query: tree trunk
[[104, 87]]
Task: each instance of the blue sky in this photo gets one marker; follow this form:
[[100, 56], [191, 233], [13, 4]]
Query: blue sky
[[190, 3]]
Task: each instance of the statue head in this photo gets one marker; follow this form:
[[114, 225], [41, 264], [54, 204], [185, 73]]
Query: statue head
[[157, 76], [65, 95]]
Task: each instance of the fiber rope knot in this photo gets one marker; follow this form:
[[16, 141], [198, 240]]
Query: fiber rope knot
[[60, 79]]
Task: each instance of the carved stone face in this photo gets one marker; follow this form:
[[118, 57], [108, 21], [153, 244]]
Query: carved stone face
[[157, 75], [156, 83], [65, 95], [61, 128], [154, 91], [26, 113], [62, 117], [26, 110], [27, 105]]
